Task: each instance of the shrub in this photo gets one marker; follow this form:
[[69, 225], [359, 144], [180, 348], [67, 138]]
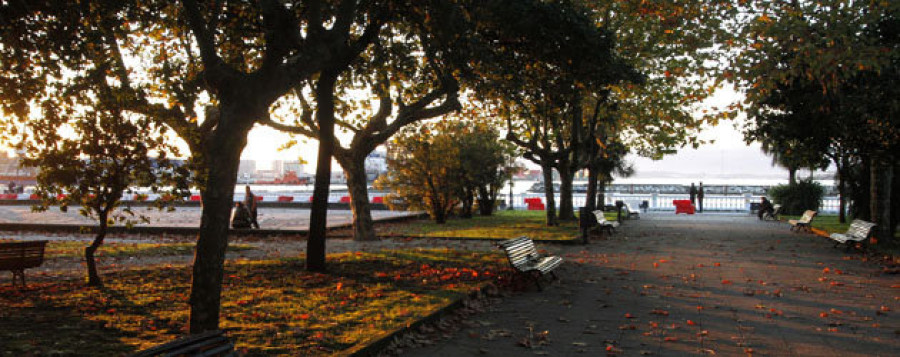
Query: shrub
[[799, 197]]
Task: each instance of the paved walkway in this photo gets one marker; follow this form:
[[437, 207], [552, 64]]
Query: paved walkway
[[269, 217], [670, 285]]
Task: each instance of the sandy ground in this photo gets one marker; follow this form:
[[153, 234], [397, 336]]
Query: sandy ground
[[670, 285]]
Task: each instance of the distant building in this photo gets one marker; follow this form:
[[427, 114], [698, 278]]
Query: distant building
[[376, 165], [247, 171]]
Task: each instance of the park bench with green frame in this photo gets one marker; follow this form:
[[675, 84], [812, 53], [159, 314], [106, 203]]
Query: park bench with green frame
[[857, 233], [18, 256], [603, 224], [204, 344], [525, 259], [804, 222]]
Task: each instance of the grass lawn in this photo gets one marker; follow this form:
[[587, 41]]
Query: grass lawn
[[502, 225], [72, 249], [271, 308]]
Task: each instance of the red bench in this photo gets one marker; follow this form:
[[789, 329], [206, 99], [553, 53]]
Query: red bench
[[535, 204], [683, 206]]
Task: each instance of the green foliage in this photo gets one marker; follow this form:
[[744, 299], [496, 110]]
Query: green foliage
[[436, 166], [799, 197]]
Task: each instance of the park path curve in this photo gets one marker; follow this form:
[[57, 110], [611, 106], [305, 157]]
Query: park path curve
[[706, 284]]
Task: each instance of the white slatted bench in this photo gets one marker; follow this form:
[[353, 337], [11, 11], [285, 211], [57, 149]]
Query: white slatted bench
[[804, 221], [633, 213], [205, 344], [776, 210], [525, 259], [602, 223], [858, 232]]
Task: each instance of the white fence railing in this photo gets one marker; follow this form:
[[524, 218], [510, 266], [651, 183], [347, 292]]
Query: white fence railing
[[663, 202]]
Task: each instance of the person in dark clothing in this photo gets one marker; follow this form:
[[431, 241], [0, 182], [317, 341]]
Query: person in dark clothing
[[765, 207], [250, 203], [240, 217], [693, 193], [700, 198]]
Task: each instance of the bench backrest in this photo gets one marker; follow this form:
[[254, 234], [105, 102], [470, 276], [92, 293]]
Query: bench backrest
[[807, 216], [21, 255], [601, 217], [520, 251], [860, 228], [210, 343]]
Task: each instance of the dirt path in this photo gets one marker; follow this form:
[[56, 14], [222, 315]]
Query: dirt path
[[696, 285]]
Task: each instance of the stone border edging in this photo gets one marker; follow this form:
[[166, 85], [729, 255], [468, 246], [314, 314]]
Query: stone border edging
[[568, 241], [375, 345]]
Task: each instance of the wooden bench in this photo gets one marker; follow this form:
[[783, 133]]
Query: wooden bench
[[18, 256], [803, 222], [525, 259], [858, 232], [205, 344], [602, 223]]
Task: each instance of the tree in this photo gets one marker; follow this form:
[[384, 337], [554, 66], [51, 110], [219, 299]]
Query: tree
[[425, 170], [233, 58], [91, 158], [844, 52]]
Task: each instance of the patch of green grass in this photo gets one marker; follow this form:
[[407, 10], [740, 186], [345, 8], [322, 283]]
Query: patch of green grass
[[271, 308], [502, 225], [73, 249]]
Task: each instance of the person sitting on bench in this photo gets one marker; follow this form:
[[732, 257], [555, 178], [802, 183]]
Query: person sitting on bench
[[765, 207], [240, 218]]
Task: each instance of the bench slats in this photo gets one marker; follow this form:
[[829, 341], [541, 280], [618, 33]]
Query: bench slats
[[210, 343], [524, 257], [18, 256], [859, 230]]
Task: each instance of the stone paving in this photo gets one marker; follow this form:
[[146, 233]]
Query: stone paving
[[269, 217], [706, 284]]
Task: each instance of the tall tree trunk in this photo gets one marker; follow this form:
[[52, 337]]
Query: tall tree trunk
[[318, 218], [550, 209], [842, 187], [468, 200], [882, 177], [601, 193], [222, 158], [591, 200], [566, 206], [93, 277], [363, 225], [486, 201], [792, 175]]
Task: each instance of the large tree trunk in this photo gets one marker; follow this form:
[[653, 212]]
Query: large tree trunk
[[222, 158], [566, 206], [318, 218], [93, 277], [882, 177], [363, 225], [792, 175], [842, 164], [550, 209], [486, 201], [591, 200]]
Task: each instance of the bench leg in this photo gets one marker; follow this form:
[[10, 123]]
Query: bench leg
[[18, 274], [536, 275]]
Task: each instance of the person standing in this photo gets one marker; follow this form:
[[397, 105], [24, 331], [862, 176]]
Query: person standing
[[693, 193], [700, 197], [250, 204]]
